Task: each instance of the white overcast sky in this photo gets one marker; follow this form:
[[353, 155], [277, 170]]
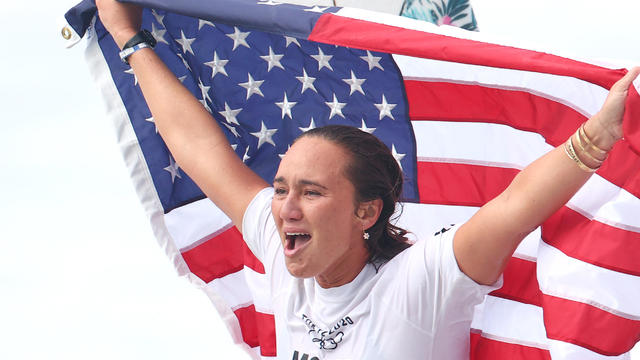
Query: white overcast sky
[[81, 276]]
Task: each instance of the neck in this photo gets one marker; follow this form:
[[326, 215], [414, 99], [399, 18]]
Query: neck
[[345, 270]]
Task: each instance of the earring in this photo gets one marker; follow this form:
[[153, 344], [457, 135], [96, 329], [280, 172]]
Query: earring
[[365, 235]]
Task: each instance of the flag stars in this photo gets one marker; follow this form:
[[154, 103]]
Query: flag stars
[[158, 34], [323, 60], [135, 78], [373, 61], [273, 59], [355, 83], [286, 106], [366, 129], [307, 81], [269, 2], [202, 23], [233, 130], [317, 9], [246, 156], [239, 38], [397, 156], [173, 169], [336, 107], [159, 18], [217, 65], [151, 120], [291, 40], [265, 135], [185, 43], [312, 125], [252, 86], [385, 108], [230, 114], [204, 90]]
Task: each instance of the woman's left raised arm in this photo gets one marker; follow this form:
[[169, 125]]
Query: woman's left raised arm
[[484, 244]]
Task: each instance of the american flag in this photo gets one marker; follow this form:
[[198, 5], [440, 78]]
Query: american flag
[[461, 115]]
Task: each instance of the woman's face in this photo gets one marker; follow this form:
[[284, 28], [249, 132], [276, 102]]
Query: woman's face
[[314, 210]]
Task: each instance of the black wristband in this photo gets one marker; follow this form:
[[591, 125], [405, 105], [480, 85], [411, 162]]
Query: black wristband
[[142, 36]]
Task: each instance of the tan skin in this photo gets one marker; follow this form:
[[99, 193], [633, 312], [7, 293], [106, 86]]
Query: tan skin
[[314, 196]]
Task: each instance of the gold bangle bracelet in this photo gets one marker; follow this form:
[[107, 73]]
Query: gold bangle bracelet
[[589, 142], [571, 153], [583, 149]]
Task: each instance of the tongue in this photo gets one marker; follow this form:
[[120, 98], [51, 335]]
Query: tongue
[[300, 240]]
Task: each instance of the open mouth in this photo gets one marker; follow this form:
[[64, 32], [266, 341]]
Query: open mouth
[[294, 241]]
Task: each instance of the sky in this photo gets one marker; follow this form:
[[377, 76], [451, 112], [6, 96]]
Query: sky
[[81, 275]]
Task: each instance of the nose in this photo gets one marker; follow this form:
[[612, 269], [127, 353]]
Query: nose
[[290, 209]]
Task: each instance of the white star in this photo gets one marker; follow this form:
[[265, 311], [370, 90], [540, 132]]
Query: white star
[[182, 78], [230, 114], [173, 169], [284, 153], [355, 83], [185, 43], [184, 61], [159, 18], [246, 156], [252, 86], [217, 65], [239, 38], [273, 60], [135, 78], [204, 90], [265, 135], [367, 129], [269, 2], [151, 120], [234, 146], [205, 105], [202, 23], [397, 156], [307, 81], [385, 108], [286, 106], [312, 125], [322, 59], [232, 129], [317, 9], [158, 33], [336, 107], [291, 40], [373, 61]]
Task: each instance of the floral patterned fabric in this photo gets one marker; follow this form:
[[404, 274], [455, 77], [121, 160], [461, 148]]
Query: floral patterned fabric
[[441, 12]]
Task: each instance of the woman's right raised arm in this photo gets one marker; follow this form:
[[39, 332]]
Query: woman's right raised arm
[[194, 138]]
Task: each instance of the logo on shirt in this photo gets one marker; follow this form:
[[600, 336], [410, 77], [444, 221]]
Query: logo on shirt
[[327, 339]]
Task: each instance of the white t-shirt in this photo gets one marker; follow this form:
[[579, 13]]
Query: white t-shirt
[[418, 305]]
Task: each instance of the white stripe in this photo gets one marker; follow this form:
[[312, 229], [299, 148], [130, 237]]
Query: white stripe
[[511, 322], [233, 289], [582, 96], [503, 146], [195, 221], [424, 220], [562, 276], [560, 350], [259, 285]]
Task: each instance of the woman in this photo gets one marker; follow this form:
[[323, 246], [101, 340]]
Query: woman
[[343, 281]]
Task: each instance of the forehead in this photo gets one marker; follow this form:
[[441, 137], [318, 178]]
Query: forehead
[[313, 158]]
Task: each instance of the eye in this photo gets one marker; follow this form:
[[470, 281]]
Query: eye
[[312, 193], [280, 191]]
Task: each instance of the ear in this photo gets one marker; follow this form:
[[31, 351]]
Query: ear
[[368, 212]]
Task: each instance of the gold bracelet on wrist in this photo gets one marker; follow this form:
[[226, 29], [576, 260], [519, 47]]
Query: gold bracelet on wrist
[[584, 149], [571, 153], [590, 143]]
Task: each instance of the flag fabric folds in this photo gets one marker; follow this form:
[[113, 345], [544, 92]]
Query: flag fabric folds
[[461, 115]]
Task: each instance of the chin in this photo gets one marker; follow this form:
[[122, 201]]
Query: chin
[[297, 270]]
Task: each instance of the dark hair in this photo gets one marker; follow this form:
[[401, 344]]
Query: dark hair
[[375, 174]]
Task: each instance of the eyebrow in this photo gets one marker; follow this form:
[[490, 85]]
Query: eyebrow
[[281, 180]]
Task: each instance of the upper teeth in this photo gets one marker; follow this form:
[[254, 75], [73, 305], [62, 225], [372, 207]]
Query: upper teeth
[[296, 234]]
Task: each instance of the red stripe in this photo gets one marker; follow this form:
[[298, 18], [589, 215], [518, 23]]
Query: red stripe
[[224, 254], [592, 241], [520, 110], [631, 115], [483, 348], [461, 184], [334, 29], [520, 283], [589, 327], [258, 329]]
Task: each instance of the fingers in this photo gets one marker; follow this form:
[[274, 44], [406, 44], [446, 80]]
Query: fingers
[[624, 83]]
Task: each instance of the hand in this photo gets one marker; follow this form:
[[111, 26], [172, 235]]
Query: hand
[[121, 20], [606, 126]]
